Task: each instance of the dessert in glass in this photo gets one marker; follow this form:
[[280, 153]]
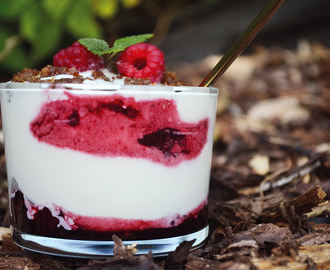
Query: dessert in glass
[[91, 154]]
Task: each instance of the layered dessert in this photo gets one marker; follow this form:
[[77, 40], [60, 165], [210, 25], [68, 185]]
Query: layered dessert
[[96, 149]]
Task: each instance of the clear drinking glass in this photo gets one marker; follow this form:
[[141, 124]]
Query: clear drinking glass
[[86, 162]]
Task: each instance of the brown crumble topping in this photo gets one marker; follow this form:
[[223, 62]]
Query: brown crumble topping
[[134, 81], [35, 76], [77, 79], [169, 78], [25, 74], [49, 71], [98, 74]]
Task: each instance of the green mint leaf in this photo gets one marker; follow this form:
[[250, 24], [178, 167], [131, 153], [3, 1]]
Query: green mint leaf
[[122, 43], [96, 46], [100, 47]]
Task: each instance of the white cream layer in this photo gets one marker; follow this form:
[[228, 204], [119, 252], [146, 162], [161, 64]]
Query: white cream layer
[[89, 185]]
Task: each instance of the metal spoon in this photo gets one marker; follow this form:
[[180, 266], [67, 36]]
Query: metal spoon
[[242, 42]]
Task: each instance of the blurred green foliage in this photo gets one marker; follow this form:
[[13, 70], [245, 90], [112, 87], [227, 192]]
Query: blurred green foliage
[[33, 30]]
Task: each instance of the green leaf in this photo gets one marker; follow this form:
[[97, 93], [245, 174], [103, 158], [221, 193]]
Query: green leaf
[[129, 4], [58, 9], [122, 43], [29, 23], [4, 35], [49, 38], [10, 9], [40, 31], [80, 21], [100, 47], [96, 46], [105, 9]]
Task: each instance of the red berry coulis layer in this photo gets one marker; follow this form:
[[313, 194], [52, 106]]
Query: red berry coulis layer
[[117, 126]]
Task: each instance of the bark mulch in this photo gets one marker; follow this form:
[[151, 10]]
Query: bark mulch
[[269, 191]]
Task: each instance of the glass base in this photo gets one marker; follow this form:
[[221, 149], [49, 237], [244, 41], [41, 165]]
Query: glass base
[[102, 249]]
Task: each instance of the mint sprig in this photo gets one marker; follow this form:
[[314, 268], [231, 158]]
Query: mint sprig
[[96, 46], [101, 47]]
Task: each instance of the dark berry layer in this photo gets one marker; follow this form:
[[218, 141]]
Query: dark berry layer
[[43, 223], [117, 126]]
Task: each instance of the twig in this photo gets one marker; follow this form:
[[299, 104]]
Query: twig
[[270, 181], [302, 204], [10, 43]]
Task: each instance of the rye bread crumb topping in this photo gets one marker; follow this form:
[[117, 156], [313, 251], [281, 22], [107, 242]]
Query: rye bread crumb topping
[[36, 76]]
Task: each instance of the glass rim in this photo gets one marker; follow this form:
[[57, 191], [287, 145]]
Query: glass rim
[[106, 87]]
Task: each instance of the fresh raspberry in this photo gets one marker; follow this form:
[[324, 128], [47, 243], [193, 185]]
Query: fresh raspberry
[[79, 57], [142, 61]]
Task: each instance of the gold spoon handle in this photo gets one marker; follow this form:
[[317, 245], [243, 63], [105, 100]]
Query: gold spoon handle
[[242, 42]]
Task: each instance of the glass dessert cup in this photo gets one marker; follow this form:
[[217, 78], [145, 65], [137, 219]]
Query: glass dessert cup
[[86, 162]]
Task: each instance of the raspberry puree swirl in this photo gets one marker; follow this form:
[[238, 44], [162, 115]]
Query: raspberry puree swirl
[[117, 126]]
